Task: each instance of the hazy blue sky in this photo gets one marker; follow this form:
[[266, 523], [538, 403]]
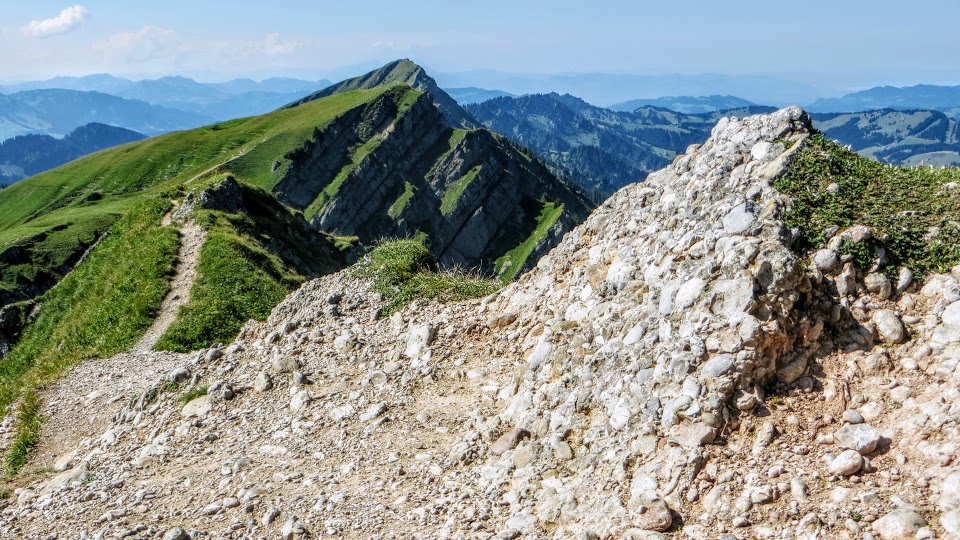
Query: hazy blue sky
[[846, 43]]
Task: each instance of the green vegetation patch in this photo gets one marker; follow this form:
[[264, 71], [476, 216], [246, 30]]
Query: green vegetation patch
[[194, 393], [512, 261], [402, 271], [402, 201], [455, 190], [901, 204]]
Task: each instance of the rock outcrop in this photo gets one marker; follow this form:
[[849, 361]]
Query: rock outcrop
[[672, 369], [407, 73]]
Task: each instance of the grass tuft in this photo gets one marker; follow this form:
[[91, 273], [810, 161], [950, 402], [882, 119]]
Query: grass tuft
[[402, 271], [194, 393], [27, 434]]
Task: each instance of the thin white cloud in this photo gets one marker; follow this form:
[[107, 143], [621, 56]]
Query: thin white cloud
[[273, 45], [145, 44], [158, 49], [67, 20]]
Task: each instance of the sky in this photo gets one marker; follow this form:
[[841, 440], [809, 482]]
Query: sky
[[835, 45]]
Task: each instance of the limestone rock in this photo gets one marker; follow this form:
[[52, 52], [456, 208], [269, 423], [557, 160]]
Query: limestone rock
[[860, 437], [826, 260], [655, 517], [847, 463], [199, 407], [890, 329], [900, 524], [508, 441]]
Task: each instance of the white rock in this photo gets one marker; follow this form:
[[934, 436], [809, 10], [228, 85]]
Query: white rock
[[300, 400], [860, 437], [688, 293], [902, 524], [890, 329], [950, 493], [738, 220], [418, 339], [951, 315], [847, 463], [951, 522], [198, 407], [826, 260], [373, 411]]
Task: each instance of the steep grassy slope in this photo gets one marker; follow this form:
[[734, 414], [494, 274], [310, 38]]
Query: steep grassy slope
[[256, 252], [396, 168]]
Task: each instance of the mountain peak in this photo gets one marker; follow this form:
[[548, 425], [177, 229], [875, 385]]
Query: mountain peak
[[407, 72]]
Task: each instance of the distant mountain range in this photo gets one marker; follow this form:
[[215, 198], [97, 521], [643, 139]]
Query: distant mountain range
[[608, 88], [109, 84], [213, 101], [686, 104], [57, 112], [924, 96], [27, 155], [915, 137], [472, 94], [599, 149]]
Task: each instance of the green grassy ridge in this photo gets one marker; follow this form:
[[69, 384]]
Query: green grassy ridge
[[251, 260], [404, 271], [99, 309], [512, 261], [235, 282], [900, 204], [94, 191]]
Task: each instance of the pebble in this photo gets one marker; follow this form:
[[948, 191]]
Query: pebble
[[508, 441], [826, 260], [263, 382], [851, 416], [176, 533], [656, 517]]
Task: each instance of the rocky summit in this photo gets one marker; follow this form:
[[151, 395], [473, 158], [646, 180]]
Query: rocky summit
[[673, 368]]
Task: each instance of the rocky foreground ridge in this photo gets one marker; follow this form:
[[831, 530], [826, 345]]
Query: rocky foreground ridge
[[672, 369]]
